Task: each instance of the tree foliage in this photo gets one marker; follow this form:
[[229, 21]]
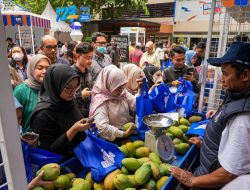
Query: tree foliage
[[37, 6]]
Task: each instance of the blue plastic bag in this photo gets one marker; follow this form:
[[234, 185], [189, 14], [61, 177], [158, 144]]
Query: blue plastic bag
[[198, 128], [184, 98], [36, 157], [159, 98], [143, 107], [100, 156]]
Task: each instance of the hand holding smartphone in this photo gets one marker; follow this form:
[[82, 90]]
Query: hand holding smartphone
[[30, 136], [189, 71]]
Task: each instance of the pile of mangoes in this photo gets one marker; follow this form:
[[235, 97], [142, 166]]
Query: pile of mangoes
[[177, 133], [62, 182]]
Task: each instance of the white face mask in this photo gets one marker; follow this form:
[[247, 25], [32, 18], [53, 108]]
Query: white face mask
[[17, 56]]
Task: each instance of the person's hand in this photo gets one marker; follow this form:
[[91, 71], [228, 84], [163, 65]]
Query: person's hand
[[189, 77], [38, 182], [129, 131], [157, 83], [176, 83], [31, 142], [81, 125], [196, 141], [139, 83], [182, 176], [210, 114], [86, 93]]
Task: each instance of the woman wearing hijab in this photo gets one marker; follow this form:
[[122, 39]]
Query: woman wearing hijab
[[57, 118], [132, 73], [154, 76], [190, 58], [111, 103], [27, 93]]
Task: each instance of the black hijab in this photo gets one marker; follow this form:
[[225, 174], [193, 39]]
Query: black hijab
[[149, 72], [56, 78]]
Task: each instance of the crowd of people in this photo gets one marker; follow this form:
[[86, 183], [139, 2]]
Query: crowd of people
[[58, 91]]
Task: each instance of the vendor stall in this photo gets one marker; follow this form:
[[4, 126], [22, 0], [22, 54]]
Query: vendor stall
[[25, 28], [60, 29]]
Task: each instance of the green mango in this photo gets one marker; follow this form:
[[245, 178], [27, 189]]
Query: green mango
[[63, 182], [184, 128], [181, 148], [184, 121], [195, 118], [177, 141], [170, 135]]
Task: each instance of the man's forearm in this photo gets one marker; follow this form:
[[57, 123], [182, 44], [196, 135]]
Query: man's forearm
[[218, 178]]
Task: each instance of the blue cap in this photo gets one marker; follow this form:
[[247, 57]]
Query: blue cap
[[239, 52]]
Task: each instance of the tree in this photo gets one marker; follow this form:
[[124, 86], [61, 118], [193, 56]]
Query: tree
[[116, 6]]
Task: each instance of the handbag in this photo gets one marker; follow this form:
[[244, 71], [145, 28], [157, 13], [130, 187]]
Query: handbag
[[99, 156], [159, 98], [143, 107]]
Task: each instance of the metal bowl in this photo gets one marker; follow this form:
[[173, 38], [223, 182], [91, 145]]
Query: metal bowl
[[157, 122]]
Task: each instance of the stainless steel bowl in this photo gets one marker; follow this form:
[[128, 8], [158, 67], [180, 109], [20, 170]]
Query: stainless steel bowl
[[157, 123]]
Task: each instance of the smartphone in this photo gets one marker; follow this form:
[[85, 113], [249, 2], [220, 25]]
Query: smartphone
[[30, 136], [189, 70]]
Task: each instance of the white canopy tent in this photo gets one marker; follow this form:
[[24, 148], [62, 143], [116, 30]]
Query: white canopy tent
[[56, 27]]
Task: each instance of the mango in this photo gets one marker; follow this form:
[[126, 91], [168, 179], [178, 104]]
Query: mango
[[176, 131], [138, 144], [162, 172], [184, 121], [131, 150], [184, 128], [143, 160], [121, 182], [170, 135], [166, 167], [124, 141], [160, 183], [132, 180], [142, 152], [50, 186], [38, 188], [155, 172], [127, 125], [76, 181], [99, 186], [131, 164], [89, 178], [62, 182], [195, 118], [124, 170], [71, 176], [109, 179], [142, 175], [124, 150], [130, 188], [181, 148], [150, 185], [177, 141], [51, 171], [81, 186], [155, 158]]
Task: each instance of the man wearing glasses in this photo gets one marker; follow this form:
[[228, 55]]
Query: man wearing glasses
[[49, 48], [100, 59]]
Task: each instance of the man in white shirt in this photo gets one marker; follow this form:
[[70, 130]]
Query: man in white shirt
[[225, 149]]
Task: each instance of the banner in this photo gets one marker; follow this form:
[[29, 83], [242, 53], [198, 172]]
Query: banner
[[194, 10]]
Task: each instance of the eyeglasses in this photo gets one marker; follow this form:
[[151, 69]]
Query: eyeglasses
[[50, 47], [70, 89], [101, 43]]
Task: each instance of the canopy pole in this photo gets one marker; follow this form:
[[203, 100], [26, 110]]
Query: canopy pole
[[19, 34], [32, 39]]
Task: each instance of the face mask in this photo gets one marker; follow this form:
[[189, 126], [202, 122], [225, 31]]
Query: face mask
[[17, 56], [101, 49]]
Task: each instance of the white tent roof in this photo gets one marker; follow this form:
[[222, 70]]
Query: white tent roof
[[55, 26]]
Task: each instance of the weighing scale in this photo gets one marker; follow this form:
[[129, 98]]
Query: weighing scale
[[156, 139]]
